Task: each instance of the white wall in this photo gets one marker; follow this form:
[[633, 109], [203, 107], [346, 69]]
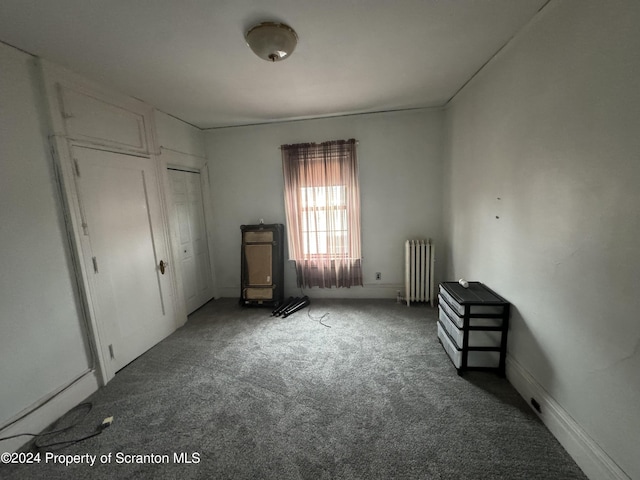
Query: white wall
[[43, 342], [400, 187], [551, 127], [178, 136]]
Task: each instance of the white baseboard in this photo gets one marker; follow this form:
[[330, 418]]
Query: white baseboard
[[49, 411], [589, 456]]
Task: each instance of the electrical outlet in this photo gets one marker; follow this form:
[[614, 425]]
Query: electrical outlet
[[536, 405], [378, 276]]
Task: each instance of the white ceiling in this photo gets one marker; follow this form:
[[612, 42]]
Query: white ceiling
[[189, 59]]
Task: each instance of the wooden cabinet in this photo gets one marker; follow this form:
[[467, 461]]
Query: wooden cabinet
[[262, 274], [472, 326]]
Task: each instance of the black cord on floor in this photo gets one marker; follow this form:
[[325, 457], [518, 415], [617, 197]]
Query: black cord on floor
[[319, 320], [64, 443]]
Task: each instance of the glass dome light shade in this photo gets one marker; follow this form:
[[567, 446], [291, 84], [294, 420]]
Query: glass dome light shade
[[272, 41]]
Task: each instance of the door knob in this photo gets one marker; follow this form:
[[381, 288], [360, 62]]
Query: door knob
[[163, 266]]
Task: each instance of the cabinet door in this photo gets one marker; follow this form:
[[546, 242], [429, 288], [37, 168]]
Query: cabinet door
[[88, 112], [93, 119], [259, 261]]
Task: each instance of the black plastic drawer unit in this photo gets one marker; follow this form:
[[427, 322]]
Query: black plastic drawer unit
[[472, 326]]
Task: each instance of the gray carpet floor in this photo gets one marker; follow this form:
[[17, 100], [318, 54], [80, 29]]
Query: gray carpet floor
[[245, 396]]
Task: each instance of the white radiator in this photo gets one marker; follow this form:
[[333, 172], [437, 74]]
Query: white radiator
[[419, 278]]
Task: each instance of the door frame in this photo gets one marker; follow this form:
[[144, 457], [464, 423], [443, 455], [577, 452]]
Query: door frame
[[175, 159]]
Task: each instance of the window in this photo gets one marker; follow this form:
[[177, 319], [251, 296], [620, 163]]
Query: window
[[324, 221], [322, 202]]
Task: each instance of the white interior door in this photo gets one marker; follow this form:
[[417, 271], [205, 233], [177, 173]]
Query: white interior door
[[192, 238], [124, 244]]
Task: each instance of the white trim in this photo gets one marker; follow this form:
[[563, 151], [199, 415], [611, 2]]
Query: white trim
[[61, 150], [209, 222], [201, 157], [48, 410], [589, 456], [161, 179]]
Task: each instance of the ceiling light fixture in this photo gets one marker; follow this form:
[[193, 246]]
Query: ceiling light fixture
[[272, 41]]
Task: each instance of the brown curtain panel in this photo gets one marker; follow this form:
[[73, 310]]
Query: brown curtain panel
[[322, 203]]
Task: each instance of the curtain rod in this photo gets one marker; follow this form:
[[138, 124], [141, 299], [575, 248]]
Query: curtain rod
[[312, 143]]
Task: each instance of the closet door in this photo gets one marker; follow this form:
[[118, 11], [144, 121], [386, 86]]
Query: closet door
[[192, 238], [125, 252]]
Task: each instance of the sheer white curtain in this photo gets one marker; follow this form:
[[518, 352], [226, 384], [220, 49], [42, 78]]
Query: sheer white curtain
[[322, 203]]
